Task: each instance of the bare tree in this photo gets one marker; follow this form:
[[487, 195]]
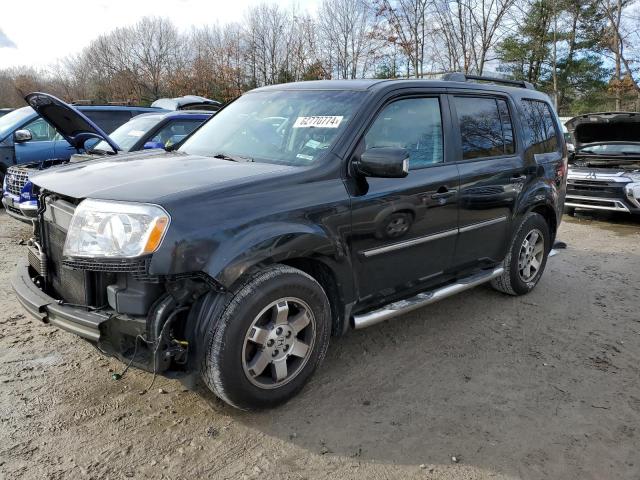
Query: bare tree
[[618, 41], [347, 29], [409, 21], [469, 30]]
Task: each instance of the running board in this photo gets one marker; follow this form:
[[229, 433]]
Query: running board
[[425, 298]]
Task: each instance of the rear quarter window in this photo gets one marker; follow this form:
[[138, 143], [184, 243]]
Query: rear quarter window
[[540, 133]]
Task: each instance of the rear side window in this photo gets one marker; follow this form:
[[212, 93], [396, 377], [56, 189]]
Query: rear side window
[[485, 127], [414, 124], [539, 127], [108, 121]]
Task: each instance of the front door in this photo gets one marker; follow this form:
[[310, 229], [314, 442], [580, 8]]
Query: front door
[[492, 175], [42, 143], [404, 229]]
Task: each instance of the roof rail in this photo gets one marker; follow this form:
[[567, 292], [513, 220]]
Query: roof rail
[[461, 77]]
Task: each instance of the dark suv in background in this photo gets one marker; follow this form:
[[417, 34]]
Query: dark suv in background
[[297, 211]]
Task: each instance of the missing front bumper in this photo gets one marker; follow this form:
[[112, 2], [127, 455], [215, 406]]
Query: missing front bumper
[[75, 320]]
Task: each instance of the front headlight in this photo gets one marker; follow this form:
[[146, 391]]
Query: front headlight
[[110, 229]]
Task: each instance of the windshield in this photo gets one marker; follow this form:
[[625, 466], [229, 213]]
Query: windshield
[[127, 135], [286, 127], [12, 120], [613, 149]]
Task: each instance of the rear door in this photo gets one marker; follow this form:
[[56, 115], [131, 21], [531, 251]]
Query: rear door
[[492, 176], [404, 229]]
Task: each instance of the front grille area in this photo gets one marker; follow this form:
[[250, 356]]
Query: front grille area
[[589, 187], [70, 285], [17, 178], [13, 209], [137, 266]]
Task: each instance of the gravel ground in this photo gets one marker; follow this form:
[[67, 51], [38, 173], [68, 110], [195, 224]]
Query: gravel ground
[[542, 386]]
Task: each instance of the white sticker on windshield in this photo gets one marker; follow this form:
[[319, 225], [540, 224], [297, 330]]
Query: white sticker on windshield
[[313, 144], [319, 121], [136, 133]]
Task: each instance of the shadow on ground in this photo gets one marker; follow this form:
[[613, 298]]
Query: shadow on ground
[[537, 386]]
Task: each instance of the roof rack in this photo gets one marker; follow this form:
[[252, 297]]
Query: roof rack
[[461, 77]]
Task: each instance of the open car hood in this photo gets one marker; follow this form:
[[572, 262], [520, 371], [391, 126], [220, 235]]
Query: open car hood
[[188, 102], [73, 125], [604, 127]]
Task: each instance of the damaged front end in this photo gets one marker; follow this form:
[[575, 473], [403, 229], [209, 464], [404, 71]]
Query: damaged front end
[[115, 303]]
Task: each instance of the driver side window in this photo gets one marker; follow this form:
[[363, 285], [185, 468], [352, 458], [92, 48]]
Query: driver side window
[[41, 131], [414, 124]]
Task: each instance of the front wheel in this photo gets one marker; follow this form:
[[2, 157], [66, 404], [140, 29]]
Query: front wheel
[[269, 339], [526, 258]]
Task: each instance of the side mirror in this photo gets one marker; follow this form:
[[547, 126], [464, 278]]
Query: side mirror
[[150, 145], [384, 162], [21, 136]]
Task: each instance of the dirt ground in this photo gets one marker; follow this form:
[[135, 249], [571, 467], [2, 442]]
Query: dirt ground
[[542, 386]]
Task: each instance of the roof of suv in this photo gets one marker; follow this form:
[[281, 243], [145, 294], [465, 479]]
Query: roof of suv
[[374, 85]]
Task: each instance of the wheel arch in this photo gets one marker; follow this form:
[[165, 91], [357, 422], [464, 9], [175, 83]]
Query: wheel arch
[[550, 216]]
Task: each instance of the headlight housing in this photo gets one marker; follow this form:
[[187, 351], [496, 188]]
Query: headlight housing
[[110, 229]]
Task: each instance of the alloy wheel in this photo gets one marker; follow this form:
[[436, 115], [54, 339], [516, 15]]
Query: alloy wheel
[[531, 255], [278, 343]]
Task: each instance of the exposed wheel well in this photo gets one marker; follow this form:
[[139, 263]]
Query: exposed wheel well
[[549, 215], [325, 277]]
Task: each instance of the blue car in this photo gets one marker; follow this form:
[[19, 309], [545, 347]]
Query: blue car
[[161, 129], [26, 137]]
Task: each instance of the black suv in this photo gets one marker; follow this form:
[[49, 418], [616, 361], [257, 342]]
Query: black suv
[[297, 211]]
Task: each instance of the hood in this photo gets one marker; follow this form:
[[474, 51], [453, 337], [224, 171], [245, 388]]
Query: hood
[[604, 127], [188, 102], [149, 176], [73, 125]]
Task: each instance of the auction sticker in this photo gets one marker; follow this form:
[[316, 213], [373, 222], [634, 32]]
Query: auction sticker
[[318, 121]]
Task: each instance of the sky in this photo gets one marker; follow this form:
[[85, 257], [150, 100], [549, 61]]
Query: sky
[[48, 30]]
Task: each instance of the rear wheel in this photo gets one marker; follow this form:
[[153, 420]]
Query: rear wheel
[[527, 257], [571, 211], [269, 339]]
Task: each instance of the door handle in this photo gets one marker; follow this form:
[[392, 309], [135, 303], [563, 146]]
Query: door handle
[[443, 193], [518, 178]]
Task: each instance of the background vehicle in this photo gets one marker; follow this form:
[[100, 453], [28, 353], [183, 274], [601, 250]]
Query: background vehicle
[[188, 102], [160, 129], [4, 111], [154, 130], [26, 137], [604, 172], [363, 200]]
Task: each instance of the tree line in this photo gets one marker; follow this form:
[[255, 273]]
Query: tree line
[[584, 53]]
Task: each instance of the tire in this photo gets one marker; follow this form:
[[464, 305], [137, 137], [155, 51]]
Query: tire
[[251, 331], [517, 281], [571, 211]]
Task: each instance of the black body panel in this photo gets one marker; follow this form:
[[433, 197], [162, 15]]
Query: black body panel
[[231, 218]]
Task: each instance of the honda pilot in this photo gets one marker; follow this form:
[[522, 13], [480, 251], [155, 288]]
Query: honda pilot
[[297, 212]]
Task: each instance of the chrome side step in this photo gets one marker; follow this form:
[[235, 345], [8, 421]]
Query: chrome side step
[[425, 298]]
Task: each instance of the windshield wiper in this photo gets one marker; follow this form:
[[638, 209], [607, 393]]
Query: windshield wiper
[[233, 158]]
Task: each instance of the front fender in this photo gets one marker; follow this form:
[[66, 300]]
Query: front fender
[[272, 243]]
